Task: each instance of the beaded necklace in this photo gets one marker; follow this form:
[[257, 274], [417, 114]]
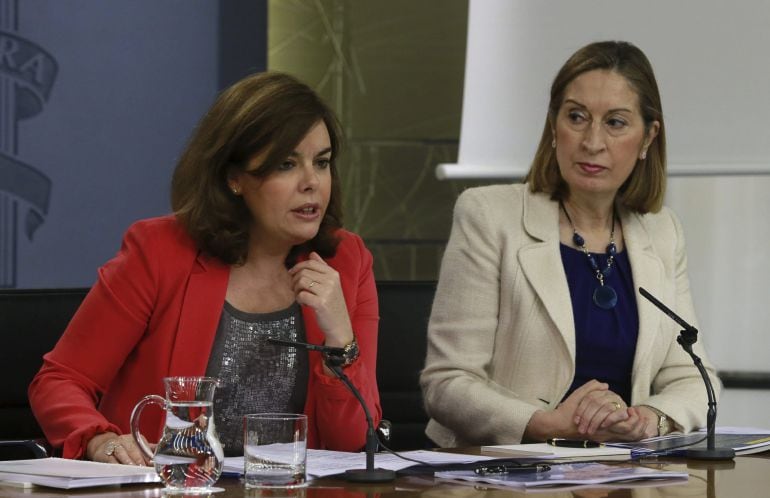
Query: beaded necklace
[[604, 296]]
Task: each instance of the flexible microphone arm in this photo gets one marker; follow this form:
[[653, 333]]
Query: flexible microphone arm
[[334, 360], [687, 337]]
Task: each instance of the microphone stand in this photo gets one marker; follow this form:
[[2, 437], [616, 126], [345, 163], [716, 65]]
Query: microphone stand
[[687, 337], [334, 361]]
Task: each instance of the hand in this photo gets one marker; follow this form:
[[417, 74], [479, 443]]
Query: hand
[[316, 284], [599, 410], [108, 447], [560, 422], [637, 426]]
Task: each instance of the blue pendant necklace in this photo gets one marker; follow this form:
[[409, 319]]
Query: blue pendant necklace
[[605, 296]]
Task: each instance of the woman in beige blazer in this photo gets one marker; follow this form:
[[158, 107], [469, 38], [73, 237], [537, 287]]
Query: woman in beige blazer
[[536, 276]]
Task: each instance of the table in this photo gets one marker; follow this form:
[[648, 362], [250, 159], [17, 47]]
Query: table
[[745, 477]]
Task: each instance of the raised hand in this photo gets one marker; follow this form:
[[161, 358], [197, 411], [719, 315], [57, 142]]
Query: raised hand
[[316, 284]]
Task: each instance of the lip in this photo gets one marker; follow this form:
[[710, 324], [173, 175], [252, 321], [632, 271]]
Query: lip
[[309, 211], [591, 168]]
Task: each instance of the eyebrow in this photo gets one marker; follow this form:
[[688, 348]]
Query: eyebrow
[[619, 109], [327, 150]]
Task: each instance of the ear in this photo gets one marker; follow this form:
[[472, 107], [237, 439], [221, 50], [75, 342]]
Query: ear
[[652, 132], [233, 182]]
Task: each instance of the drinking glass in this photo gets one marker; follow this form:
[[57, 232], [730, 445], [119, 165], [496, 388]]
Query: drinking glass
[[274, 450]]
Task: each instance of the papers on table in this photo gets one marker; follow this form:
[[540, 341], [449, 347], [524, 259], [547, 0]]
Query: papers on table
[[321, 463], [578, 473], [543, 451], [71, 474], [740, 440]]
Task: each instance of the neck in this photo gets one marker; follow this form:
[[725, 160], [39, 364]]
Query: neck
[[590, 214], [266, 259]]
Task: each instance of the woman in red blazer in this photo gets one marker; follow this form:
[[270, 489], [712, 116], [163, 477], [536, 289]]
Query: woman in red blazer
[[254, 249]]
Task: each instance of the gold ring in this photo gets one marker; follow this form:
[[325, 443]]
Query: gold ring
[[616, 406], [312, 283], [109, 450]]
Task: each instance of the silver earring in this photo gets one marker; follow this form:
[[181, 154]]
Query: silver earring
[[553, 143], [643, 155], [236, 191]]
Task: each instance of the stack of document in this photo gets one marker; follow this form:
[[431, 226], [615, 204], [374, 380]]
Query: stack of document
[[543, 451], [72, 474], [744, 440], [578, 473]]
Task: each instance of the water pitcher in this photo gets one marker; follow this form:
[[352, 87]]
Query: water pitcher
[[189, 456]]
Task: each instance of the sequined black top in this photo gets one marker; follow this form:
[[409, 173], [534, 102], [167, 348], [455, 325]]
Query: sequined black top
[[255, 375]]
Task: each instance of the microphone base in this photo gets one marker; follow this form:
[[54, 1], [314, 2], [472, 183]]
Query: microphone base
[[712, 454], [373, 475]]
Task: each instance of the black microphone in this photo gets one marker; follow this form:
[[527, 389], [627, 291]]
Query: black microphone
[[334, 358], [687, 337]]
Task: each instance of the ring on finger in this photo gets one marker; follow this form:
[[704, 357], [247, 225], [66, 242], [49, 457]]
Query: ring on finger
[[312, 283], [111, 446], [616, 406]]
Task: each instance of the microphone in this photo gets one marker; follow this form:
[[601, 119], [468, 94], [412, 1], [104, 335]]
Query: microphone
[[687, 337], [334, 360]]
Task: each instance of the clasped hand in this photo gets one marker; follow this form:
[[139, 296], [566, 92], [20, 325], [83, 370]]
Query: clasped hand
[[595, 412]]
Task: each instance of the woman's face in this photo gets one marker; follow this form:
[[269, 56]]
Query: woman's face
[[600, 133], [288, 204]]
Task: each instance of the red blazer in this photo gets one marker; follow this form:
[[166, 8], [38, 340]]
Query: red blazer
[[153, 313]]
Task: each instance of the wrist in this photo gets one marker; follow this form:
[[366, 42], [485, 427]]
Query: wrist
[[660, 420], [349, 354], [541, 426]]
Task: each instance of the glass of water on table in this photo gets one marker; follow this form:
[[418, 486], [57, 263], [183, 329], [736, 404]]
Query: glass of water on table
[[275, 450]]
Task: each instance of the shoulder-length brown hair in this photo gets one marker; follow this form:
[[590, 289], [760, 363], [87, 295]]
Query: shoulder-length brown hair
[[265, 111], [644, 189]]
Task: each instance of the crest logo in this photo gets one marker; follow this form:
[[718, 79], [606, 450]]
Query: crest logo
[[27, 74]]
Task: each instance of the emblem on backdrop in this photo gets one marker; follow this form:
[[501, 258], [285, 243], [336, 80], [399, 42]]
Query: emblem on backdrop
[[27, 74]]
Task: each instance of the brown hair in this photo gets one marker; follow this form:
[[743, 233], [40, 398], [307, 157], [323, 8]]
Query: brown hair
[[644, 189], [265, 111]]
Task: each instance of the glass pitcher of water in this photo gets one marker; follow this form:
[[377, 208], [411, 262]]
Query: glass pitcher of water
[[189, 456]]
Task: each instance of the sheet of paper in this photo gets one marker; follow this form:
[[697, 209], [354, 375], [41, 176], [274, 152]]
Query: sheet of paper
[[569, 473], [543, 451], [322, 463], [70, 474]]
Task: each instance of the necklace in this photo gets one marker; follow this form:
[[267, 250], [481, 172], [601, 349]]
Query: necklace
[[604, 296]]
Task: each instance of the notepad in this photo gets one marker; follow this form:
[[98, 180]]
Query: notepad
[[543, 451], [72, 474]]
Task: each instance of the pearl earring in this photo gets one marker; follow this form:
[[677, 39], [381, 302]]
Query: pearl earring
[[236, 191], [553, 143], [643, 155]]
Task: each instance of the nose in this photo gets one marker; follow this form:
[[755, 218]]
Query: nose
[[310, 178], [594, 140]]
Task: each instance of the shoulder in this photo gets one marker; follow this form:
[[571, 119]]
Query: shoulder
[[351, 251], [160, 243], [492, 196], [163, 231], [664, 223]]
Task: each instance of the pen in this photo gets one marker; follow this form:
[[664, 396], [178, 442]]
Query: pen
[[573, 443], [510, 469]]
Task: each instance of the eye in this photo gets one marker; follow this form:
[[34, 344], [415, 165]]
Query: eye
[[576, 117], [323, 163], [285, 166], [616, 123]]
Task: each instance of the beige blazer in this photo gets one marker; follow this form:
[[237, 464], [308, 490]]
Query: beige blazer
[[501, 337]]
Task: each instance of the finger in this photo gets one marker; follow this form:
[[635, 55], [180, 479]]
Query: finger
[[602, 415], [588, 408], [315, 263], [614, 417], [573, 400], [121, 455]]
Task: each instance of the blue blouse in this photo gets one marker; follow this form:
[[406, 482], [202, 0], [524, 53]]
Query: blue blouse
[[605, 340]]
